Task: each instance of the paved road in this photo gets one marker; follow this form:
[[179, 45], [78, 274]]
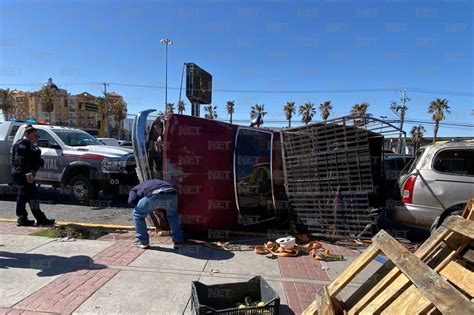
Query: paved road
[[58, 206]]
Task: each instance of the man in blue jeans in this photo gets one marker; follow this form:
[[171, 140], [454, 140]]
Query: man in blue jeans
[[152, 195]]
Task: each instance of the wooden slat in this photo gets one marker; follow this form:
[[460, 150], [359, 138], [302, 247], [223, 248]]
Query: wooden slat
[[413, 301], [460, 276], [322, 305], [459, 225], [468, 212], [350, 272], [387, 284], [435, 288], [407, 302], [400, 299]]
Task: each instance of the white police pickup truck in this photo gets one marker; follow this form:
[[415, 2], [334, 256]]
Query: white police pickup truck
[[73, 160]]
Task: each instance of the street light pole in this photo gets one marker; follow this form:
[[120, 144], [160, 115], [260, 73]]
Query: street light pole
[[166, 42]]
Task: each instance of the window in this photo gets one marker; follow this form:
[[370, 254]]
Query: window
[[414, 161], [43, 137], [455, 161], [13, 132], [253, 174], [76, 138]]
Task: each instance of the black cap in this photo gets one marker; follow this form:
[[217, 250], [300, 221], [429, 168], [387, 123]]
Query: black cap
[[29, 128]]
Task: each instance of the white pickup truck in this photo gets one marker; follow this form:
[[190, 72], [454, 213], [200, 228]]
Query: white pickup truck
[[73, 160]]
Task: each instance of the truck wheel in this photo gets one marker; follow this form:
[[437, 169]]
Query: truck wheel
[[82, 189]]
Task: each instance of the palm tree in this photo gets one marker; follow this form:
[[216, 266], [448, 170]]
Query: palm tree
[[6, 103], [325, 109], [258, 109], [169, 108], [48, 96], [417, 136], [181, 107], [118, 110], [289, 110], [359, 110], [438, 109], [211, 112], [99, 101], [307, 111], [230, 109]]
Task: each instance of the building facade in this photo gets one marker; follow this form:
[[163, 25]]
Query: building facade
[[83, 110]]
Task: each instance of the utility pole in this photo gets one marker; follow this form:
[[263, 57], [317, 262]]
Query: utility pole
[[166, 42], [105, 116], [400, 110]]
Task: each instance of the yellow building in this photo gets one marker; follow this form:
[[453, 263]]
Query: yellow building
[[80, 111]]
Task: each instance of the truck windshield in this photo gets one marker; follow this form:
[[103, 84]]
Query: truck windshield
[[76, 138]]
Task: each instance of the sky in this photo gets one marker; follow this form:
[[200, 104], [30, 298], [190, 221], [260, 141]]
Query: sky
[[263, 51]]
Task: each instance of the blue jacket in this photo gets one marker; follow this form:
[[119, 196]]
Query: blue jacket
[[146, 188]]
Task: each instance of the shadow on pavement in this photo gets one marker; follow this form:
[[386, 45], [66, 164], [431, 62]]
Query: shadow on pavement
[[197, 252], [48, 265]]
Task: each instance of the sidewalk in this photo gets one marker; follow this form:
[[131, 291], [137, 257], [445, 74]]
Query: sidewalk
[[40, 275]]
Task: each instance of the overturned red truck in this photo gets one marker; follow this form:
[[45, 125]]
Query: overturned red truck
[[226, 175]]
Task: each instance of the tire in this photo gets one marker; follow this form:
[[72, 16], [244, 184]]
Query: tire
[[82, 190], [456, 210]]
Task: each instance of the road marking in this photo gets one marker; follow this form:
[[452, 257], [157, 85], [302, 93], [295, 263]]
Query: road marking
[[91, 225]]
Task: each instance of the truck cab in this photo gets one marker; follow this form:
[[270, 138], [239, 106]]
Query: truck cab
[[226, 175]]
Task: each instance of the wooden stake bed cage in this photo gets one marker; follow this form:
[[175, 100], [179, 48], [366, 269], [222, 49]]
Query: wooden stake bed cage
[[437, 278], [333, 174]]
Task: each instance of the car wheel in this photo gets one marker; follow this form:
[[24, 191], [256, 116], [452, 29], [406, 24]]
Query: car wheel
[[82, 190], [456, 210]]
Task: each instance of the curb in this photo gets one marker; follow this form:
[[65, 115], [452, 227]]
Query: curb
[[90, 225]]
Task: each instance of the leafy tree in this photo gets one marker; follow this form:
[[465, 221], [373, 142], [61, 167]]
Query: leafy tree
[[325, 108], [289, 110], [48, 101], [417, 136], [307, 112], [211, 112], [438, 109], [118, 111], [6, 103], [258, 109], [181, 107], [230, 109]]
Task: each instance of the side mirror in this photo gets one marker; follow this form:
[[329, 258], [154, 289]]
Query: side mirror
[[43, 143], [54, 145]]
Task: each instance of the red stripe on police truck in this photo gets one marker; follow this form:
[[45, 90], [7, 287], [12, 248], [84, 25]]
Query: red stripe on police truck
[[86, 156]]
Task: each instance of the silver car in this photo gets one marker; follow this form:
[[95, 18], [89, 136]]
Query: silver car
[[437, 183]]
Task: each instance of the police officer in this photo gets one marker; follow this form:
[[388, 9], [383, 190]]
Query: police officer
[[26, 161]]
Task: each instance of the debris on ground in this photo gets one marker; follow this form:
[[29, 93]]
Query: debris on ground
[[66, 239], [71, 231], [286, 247], [163, 233]]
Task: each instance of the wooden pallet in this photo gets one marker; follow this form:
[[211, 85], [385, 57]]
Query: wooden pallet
[[429, 281]]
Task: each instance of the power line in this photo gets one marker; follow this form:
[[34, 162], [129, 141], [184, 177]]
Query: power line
[[315, 91]]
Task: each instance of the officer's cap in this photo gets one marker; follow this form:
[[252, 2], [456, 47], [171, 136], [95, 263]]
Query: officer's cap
[[29, 128]]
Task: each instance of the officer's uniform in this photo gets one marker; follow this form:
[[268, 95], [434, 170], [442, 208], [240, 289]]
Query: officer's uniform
[[26, 159]]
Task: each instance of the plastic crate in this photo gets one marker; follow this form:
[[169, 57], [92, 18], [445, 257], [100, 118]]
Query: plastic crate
[[222, 298]]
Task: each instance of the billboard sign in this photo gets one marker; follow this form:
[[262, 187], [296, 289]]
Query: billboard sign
[[198, 84]]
